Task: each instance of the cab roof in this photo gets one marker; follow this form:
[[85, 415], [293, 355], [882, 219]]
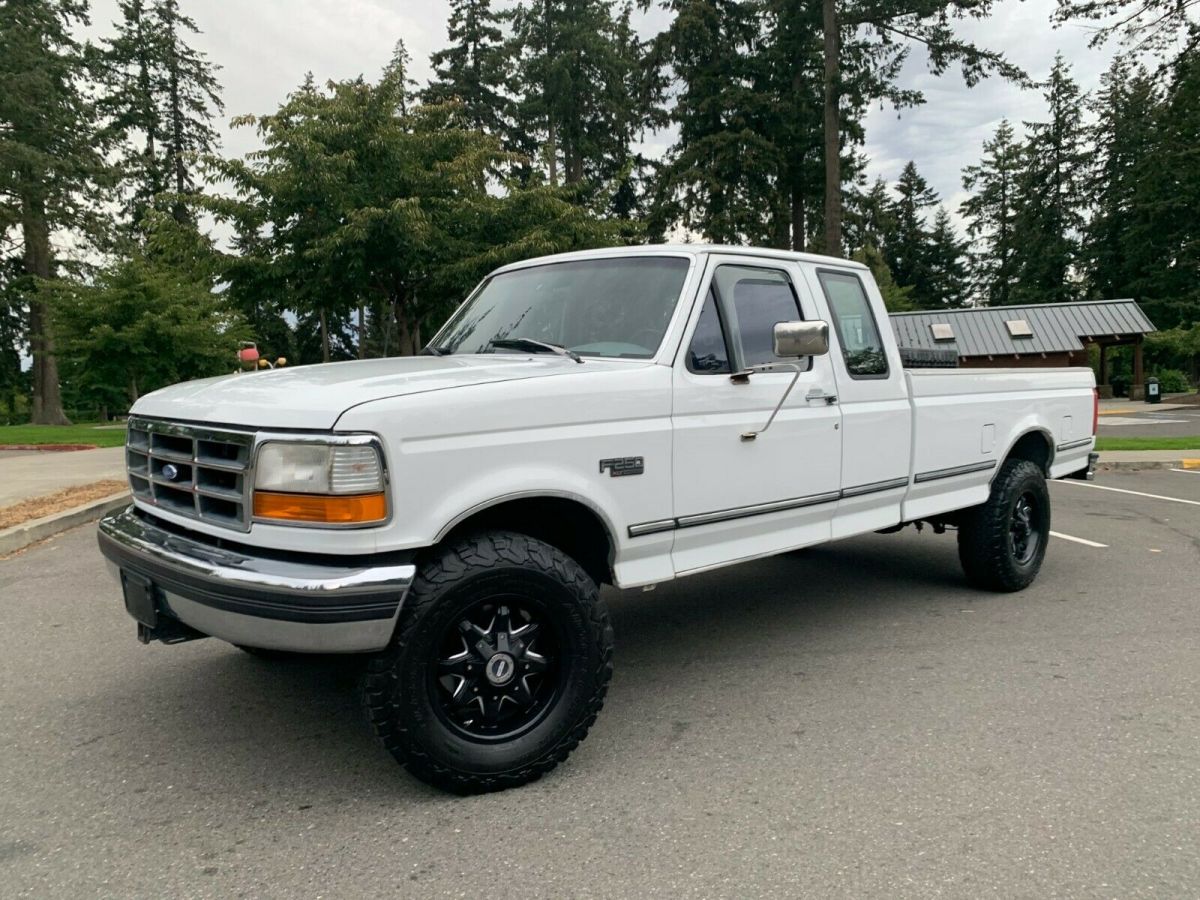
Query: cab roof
[[685, 250]]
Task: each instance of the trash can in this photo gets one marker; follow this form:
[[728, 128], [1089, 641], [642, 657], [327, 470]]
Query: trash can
[[1153, 394]]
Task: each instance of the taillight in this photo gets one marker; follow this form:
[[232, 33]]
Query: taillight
[[1095, 411]]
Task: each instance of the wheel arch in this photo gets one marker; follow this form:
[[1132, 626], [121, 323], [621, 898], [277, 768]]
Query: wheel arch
[[1036, 445], [566, 521]]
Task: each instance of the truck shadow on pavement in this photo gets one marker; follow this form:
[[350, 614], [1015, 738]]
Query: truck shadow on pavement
[[293, 726]]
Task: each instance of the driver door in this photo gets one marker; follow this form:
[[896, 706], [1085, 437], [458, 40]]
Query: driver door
[[736, 498]]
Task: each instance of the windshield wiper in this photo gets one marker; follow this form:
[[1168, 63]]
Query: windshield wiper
[[534, 346], [434, 351]]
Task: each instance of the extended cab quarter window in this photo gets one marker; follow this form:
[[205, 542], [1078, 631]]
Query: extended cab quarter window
[[862, 348], [755, 300]]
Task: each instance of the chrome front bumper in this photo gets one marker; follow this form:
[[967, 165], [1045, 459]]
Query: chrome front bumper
[[285, 602]]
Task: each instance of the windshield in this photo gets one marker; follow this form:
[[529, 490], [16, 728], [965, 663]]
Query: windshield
[[616, 308]]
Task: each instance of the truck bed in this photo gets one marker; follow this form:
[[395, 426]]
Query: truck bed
[[962, 420]]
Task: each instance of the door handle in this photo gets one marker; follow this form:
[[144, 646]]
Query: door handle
[[816, 393]]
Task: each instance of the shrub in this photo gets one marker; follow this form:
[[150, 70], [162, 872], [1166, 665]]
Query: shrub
[[1172, 381]]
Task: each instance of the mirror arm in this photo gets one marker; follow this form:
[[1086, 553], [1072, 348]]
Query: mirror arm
[[796, 371]]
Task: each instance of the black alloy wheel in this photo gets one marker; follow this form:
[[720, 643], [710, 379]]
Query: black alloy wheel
[[1023, 534], [498, 671]]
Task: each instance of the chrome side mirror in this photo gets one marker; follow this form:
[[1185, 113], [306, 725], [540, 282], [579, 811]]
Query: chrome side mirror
[[801, 339]]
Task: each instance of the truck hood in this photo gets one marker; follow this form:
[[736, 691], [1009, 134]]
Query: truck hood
[[314, 397]]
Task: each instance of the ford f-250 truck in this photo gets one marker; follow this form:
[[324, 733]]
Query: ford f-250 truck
[[621, 417]]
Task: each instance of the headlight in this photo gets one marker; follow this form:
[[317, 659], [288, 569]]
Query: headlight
[[310, 481]]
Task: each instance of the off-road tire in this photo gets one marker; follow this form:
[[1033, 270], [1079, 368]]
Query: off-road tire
[[985, 542], [398, 701]]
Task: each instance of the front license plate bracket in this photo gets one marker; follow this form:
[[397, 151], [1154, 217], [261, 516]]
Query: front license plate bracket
[[141, 598]]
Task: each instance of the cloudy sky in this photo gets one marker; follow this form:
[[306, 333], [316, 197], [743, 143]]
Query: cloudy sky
[[266, 46]]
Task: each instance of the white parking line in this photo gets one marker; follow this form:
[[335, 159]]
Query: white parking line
[[1187, 471], [1102, 487], [1077, 540]]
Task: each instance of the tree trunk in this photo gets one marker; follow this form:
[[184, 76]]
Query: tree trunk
[[552, 153], [362, 331], [178, 169], [47, 393], [324, 338], [833, 142], [799, 226], [149, 111]]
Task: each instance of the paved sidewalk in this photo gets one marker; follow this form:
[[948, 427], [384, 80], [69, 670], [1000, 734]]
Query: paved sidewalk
[[1123, 407], [1150, 457], [38, 474]]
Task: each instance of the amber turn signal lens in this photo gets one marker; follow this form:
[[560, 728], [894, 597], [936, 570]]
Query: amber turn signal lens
[[355, 509]]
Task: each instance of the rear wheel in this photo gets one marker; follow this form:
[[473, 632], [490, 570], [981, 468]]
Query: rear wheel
[[1002, 543], [500, 663]]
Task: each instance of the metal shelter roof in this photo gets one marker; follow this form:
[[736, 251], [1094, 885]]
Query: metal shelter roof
[[1056, 327]]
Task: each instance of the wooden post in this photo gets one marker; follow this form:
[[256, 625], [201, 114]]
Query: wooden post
[[1138, 388], [1104, 364]]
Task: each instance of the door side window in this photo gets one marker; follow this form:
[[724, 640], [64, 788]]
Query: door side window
[[750, 302], [708, 354], [862, 348]]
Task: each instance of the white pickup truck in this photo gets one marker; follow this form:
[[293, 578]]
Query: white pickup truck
[[621, 417]]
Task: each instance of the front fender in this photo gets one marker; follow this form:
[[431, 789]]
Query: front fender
[[457, 452]]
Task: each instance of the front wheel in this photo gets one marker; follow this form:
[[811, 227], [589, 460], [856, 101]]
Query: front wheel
[[499, 666], [1002, 543]]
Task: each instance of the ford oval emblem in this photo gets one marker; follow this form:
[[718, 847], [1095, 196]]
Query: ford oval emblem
[[170, 472]]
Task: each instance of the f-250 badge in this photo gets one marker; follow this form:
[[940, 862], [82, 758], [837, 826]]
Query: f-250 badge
[[624, 465]]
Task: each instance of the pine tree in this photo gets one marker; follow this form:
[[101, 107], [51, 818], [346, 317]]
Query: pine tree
[[577, 75], [870, 217], [793, 57], [720, 179], [907, 252], [51, 157], [1050, 196], [1124, 138], [473, 69], [946, 265], [1165, 229], [990, 213], [164, 99], [895, 297]]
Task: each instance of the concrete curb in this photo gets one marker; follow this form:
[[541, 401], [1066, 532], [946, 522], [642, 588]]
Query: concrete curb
[[1140, 465], [20, 536]]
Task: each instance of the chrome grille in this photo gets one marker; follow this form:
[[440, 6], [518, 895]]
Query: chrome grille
[[191, 470]]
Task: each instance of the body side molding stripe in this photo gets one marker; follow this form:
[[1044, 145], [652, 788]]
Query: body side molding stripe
[[874, 486], [651, 527], [1071, 445], [724, 515], [956, 470], [759, 509]]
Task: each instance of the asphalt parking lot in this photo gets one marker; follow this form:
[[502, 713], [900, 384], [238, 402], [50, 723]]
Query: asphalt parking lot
[[1149, 420], [851, 721]]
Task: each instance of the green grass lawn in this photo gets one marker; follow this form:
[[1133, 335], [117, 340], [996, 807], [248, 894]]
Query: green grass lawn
[[62, 434], [1148, 443]]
